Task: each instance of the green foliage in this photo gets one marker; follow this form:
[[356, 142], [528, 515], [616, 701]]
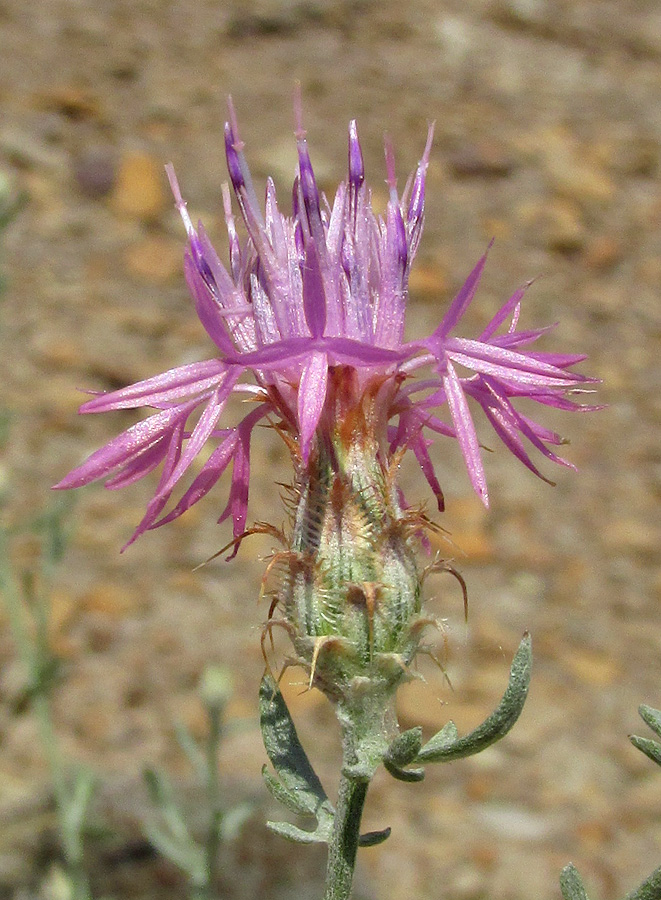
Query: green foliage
[[26, 596], [10, 204], [447, 745], [649, 747], [167, 830], [298, 787], [571, 884]]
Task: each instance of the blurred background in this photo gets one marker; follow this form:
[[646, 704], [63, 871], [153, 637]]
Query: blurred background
[[548, 138]]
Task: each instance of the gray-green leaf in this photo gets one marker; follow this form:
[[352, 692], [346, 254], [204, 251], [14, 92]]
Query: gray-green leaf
[[648, 746], [571, 884], [285, 751], [443, 747], [651, 717]]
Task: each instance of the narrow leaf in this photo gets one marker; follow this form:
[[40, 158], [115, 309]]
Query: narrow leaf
[[193, 753], [162, 795], [185, 856], [297, 835], [442, 739], [648, 746], [498, 723], [571, 884], [405, 747], [409, 775], [372, 838], [78, 805], [234, 820], [650, 889], [651, 717], [286, 753], [278, 791]]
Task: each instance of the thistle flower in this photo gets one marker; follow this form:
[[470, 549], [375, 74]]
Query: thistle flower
[[311, 308]]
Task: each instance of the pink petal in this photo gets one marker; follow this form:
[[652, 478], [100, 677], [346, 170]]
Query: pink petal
[[311, 398], [141, 465], [127, 445], [205, 480], [161, 497], [207, 306], [462, 301], [508, 308], [465, 432], [201, 432], [419, 447], [188, 379], [314, 295]]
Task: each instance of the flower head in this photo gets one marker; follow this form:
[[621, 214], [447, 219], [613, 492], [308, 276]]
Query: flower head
[[311, 309]]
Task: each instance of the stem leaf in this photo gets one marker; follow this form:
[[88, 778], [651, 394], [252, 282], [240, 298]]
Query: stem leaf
[[76, 810], [409, 775], [444, 746], [571, 884], [162, 796], [234, 820], [185, 855], [651, 717], [372, 838], [283, 795], [405, 747], [288, 756], [650, 889], [650, 748], [297, 835], [191, 750]]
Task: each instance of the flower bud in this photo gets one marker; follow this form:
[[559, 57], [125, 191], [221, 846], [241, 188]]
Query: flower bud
[[351, 592]]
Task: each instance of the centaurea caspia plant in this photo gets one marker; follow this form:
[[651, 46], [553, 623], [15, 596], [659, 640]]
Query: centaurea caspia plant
[[308, 322]]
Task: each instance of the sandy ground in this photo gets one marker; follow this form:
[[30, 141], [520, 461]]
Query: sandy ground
[[548, 137]]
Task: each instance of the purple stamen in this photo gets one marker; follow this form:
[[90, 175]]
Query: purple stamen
[[356, 165], [417, 201], [233, 163]]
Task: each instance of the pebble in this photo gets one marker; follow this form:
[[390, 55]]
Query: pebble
[[564, 230], [630, 535], [72, 102], [578, 179], [467, 884], [21, 148], [480, 161], [54, 350], [94, 171], [515, 823], [139, 191], [591, 667], [428, 280], [602, 253], [466, 520], [156, 259], [112, 600]]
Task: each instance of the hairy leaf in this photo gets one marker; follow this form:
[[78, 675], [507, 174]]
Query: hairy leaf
[[442, 747]]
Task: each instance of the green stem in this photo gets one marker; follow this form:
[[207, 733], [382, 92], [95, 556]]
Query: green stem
[[34, 652], [213, 794], [71, 837], [344, 841]]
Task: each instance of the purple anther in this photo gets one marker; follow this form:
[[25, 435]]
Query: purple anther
[[298, 113], [417, 201], [295, 200], [396, 223], [390, 163], [234, 124], [307, 181], [233, 161], [178, 199], [356, 165]]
